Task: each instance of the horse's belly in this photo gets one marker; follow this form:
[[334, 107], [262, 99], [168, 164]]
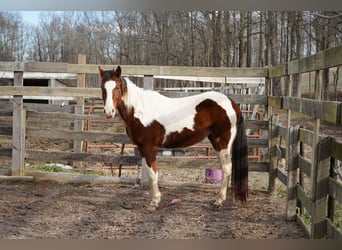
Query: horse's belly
[[182, 139]]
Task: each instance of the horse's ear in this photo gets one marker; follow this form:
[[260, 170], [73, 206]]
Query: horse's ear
[[117, 72], [101, 71]]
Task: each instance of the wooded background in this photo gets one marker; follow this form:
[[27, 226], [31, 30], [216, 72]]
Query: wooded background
[[195, 38]]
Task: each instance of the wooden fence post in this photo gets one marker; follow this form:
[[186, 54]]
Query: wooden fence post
[[316, 227], [331, 201], [145, 181], [321, 182], [292, 173], [79, 109], [273, 139], [19, 121]]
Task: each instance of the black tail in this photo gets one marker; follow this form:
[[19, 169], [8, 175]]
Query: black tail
[[240, 163]]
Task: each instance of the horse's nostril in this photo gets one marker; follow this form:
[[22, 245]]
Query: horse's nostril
[[104, 111]]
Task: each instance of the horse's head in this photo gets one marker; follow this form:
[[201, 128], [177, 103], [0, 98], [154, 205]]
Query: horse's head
[[112, 89]]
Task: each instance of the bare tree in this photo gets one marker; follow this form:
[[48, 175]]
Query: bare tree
[[12, 37]]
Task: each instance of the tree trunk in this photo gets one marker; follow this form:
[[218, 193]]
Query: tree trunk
[[273, 49], [242, 39]]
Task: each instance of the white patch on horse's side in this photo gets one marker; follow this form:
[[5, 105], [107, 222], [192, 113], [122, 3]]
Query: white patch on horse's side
[[109, 105], [174, 114]]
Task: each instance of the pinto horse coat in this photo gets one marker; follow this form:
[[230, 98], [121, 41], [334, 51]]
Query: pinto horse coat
[[153, 121]]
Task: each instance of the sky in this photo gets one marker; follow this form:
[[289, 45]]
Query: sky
[[30, 17]]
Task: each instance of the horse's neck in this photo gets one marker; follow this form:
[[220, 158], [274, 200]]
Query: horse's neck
[[130, 101]]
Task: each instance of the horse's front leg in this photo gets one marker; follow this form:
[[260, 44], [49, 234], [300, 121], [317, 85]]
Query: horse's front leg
[[152, 171]]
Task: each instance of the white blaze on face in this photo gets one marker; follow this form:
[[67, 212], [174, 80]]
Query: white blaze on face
[[109, 105]]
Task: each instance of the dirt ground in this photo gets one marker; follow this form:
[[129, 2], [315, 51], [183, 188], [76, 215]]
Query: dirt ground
[[47, 210]]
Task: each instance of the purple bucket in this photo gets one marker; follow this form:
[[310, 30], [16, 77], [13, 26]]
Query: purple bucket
[[213, 175]]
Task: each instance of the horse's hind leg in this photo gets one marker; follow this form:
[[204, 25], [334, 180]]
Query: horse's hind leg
[[226, 166]]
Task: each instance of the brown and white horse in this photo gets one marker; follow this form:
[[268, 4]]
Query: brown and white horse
[[153, 120]]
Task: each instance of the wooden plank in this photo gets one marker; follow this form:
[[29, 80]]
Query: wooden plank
[[272, 143], [256, 124], [79, 109], [292, 165], [331, 111], [324, 151], [78, 126], [332, 231], [12, 66], [305, 200], [282, 131], [257, 142], [320, 179], [70, 156], [18, 132], [321, 60], [275, 101], [281, 176], [66, 116], [47, 67], [335, 190], [78, 135], [306, 136], [303, 225], [325, 110], [80, 178], [40, 75], [231, 81], [336, 149], [37, 107], [48, 91], [277, 152], [277, 71], [16, 178], [249, 99], [5, 106], [305, 165]]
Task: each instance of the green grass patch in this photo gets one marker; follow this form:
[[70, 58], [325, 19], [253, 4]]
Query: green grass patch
[[56, 168]]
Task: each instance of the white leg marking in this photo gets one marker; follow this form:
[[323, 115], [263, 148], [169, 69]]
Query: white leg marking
[[226, 166], [156, 195]]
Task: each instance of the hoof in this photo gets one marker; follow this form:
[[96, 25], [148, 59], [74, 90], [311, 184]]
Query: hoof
[[152, 208], [217, 205]]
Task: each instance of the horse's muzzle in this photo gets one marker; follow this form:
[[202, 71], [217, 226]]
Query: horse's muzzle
[[110, 114]]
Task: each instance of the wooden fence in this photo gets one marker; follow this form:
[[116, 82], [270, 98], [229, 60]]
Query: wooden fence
[[318, 200], [49, 114], [312, 189]]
